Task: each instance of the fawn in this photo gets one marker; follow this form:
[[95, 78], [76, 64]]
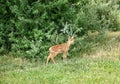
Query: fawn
[[60, 48]]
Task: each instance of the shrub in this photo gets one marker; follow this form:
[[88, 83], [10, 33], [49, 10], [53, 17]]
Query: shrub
[[29, 27]]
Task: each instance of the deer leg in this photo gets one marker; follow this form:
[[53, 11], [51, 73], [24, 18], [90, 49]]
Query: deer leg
[[53, 60], [64, 55], [52, 57], [48, 58]]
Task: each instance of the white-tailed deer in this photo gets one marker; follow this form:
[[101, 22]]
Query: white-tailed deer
[[60, 48]]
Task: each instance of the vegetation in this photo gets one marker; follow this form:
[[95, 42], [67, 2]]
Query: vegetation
[[100, 66], [29, 27], [84, 70]]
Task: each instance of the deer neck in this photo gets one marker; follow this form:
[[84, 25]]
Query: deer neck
[[68, 45]]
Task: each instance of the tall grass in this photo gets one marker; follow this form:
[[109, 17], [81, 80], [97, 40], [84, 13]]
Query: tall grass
[[110, 47], [75, 71]]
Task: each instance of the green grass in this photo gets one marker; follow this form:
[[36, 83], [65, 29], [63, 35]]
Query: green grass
[[74, 71]]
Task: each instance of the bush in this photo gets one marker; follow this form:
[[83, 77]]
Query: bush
[[29, 28]]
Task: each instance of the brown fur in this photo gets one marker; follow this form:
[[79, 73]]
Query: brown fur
[[60, 48]]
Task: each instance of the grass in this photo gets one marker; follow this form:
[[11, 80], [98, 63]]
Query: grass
[[100, 67], [74, 71]]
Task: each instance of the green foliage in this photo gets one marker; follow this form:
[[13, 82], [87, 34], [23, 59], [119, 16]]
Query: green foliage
[[85, 44], [29, 27]]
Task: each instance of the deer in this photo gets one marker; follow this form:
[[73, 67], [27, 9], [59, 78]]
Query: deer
[[59, 48]]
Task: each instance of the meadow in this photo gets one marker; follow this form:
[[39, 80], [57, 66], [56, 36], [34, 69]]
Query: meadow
[[102, 66]]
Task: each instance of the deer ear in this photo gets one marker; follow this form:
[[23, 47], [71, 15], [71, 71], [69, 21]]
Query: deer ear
[[72, 37]]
